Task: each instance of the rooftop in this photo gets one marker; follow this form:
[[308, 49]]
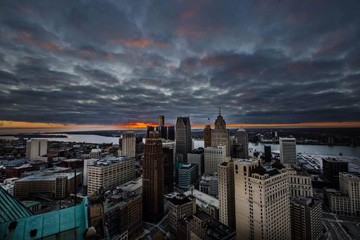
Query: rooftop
[[49, 224], [202, 215], [11, 209], [110, 160], [180, 200], [50, 177], [203, 198]]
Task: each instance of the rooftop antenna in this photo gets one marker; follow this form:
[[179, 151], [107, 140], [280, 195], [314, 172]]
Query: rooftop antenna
[[219, 110]]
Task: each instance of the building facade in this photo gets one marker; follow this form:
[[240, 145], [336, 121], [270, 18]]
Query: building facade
[[220, 135], [183, 138], [331, 169], [107, 173], [306, 218], [128, 144], [207, 136], [197, 157], [180, 206], [346, 201], [226, 194], [262, 207], [213, 156], [299, 182], [168, 169], [187, 175], [153, 179], [242, 140], [288, 151], [36, 148]]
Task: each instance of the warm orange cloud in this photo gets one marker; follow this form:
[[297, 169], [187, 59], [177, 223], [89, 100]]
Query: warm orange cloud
[[18, 126], [189, 32], [27, 38]]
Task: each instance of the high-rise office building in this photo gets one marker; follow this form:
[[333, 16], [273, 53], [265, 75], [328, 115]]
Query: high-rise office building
[[213, 156], [180, 206], [242, 140], [299, 183], [183, 138], [36, 148], [209, 184], [226, 194], [262, 205], [168, 169], [288, 151], [346, 201], [187, 175], [109, 172], [197, 156], [331, 169], [220, 135], [128, 144], [306, 218], [171, 132], [148, 130], [161, 121], [207, 136], [268, 154], [153, 179]]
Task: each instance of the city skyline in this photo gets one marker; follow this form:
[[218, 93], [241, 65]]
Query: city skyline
[[101, 63]]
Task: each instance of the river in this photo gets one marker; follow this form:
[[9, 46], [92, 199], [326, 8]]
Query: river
[[312, 149]]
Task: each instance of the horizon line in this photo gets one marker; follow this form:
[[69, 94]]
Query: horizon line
[[22, 126]]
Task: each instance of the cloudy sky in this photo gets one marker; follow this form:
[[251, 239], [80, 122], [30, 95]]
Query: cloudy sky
[[110, 62]]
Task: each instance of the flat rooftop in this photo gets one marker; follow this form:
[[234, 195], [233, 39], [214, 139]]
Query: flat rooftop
[[203, 198], [110, 160], [49, 177]]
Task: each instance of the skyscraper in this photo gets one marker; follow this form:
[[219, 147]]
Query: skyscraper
[[288, 151], [220, 135], [183, 138], [148, 130], [128, 144], [213, 156], [153, 179], [161, 120], [168, 169], [242, 140], [207, 136], [268, 155], [306, 218], [171, 132], [36, 148], [226, 194], [262, 205]]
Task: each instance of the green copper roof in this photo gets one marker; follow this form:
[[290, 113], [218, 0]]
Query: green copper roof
[[10, 208], [69, 223]]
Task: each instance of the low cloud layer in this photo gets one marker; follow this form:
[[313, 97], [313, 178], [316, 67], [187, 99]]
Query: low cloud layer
[[108, 62]]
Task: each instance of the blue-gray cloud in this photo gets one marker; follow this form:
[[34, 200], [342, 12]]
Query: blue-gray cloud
[[110, 61]]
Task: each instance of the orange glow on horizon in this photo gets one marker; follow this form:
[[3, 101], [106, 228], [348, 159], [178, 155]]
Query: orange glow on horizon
[[20, 126]]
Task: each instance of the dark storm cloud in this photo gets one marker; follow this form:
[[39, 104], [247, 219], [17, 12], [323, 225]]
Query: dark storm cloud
[[114, 61]]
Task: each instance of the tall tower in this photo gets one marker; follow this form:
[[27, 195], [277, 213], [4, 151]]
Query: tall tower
[[262, 204], [128, 144], [242, 140], [153, 179], [183, 137], [161, 120], [226, 194], [207, 136], [288, 150], [36, 148], [220, 135]]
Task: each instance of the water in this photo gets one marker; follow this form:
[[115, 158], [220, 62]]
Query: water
[[82, 138], [314, 149], [311, 149]]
